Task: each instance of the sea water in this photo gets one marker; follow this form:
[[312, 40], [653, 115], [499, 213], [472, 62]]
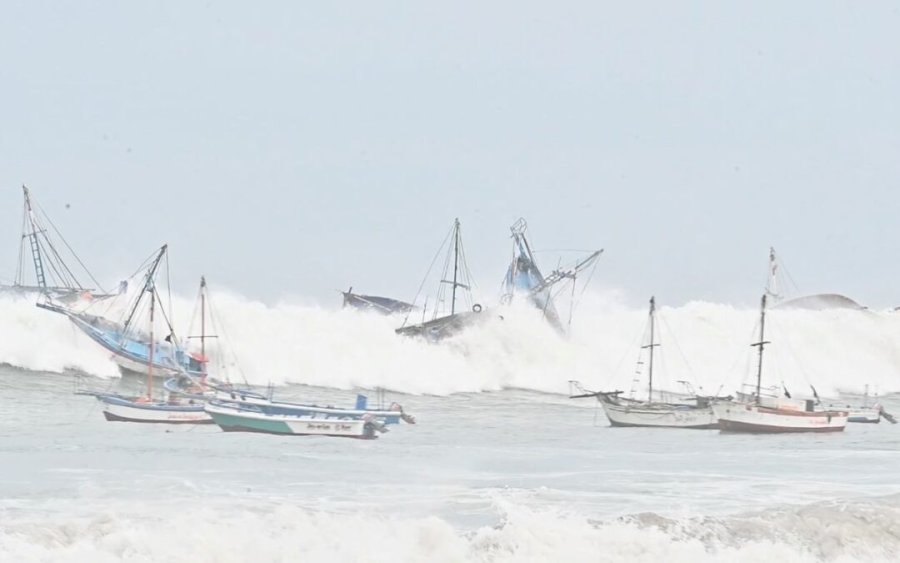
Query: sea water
[[501, 465]]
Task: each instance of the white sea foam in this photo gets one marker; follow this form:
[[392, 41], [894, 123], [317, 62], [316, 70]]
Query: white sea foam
[[704, 343], [266, 531]]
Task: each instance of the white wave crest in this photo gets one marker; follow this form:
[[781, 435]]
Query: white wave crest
[[704, 343], [266, 531]]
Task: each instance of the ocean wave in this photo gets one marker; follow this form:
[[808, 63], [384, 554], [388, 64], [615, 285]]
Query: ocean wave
[[706, 344], [267, 531]]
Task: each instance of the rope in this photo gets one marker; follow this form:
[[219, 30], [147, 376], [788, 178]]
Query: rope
[[427, 273]]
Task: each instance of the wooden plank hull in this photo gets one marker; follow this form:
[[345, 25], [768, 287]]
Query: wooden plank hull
[[117, 409], [237, 420], [661, 416], [751, 418]]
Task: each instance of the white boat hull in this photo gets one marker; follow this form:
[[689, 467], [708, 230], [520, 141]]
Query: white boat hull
[[865, 415], [743, 417], [660, 416], [124, 413]]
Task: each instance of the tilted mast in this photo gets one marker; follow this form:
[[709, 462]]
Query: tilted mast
[[455, 264], [32, 236], [148, 285]]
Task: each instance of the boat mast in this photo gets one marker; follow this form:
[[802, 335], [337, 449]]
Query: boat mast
[[455, 264], [33, 241], [203, 316], [148, 285], [150, 357], [762, 343], [652, 345]]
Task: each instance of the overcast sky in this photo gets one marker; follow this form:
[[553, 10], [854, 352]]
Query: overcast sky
[[295, 148]]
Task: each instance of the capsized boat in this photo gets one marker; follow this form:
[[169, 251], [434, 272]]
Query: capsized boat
[[456, 275], [758, 413], [383, 305], [524, 277], [236, 417], [692, 411], [54, 275]]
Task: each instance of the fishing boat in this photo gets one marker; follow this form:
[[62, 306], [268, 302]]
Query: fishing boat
[[863, 413], [815, 302], [233, 417], [524, 277], [145, 408], [692, 411], [759, 413], [446, 322], [383, 305], [130, 348], [53, 276]]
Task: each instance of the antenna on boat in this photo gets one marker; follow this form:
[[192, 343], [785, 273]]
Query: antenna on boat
[[762, 343], [651, 346]]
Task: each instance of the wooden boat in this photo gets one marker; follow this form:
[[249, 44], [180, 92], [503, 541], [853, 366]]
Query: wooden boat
[[446, 323], [769, 414], [383, 305], [692, 413], [524, 277], [233, 417], [130, 348], [145, 408], [120, 408], [54, 276]]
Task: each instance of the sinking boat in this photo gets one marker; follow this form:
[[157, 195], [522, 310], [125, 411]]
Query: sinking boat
[[53, 262], [524, 278], [234, 417], [446, 322], [767, 414], [693, 412], [383, 305], [814, 302]]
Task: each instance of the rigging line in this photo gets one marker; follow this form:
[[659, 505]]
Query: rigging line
[[169, 291], [427, 273], [51, 255], [674, 338], [784, 335], [74, 255], [219, 327], [587, 283], [628, 350]]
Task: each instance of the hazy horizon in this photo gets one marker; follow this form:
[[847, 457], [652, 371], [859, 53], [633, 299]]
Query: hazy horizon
[[294, 150]]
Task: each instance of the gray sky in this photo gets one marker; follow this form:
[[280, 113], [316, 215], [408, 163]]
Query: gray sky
[[294, 148]]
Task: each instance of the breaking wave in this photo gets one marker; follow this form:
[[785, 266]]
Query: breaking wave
[[267, 531], [702, 343]]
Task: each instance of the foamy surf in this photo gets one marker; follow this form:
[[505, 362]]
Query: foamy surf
[[706, 344], [213, 531]]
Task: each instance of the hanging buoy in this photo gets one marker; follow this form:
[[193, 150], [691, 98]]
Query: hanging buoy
[[476, 307]]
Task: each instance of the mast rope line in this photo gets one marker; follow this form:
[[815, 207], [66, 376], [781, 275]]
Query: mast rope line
[[427, 273], [74, 254]]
